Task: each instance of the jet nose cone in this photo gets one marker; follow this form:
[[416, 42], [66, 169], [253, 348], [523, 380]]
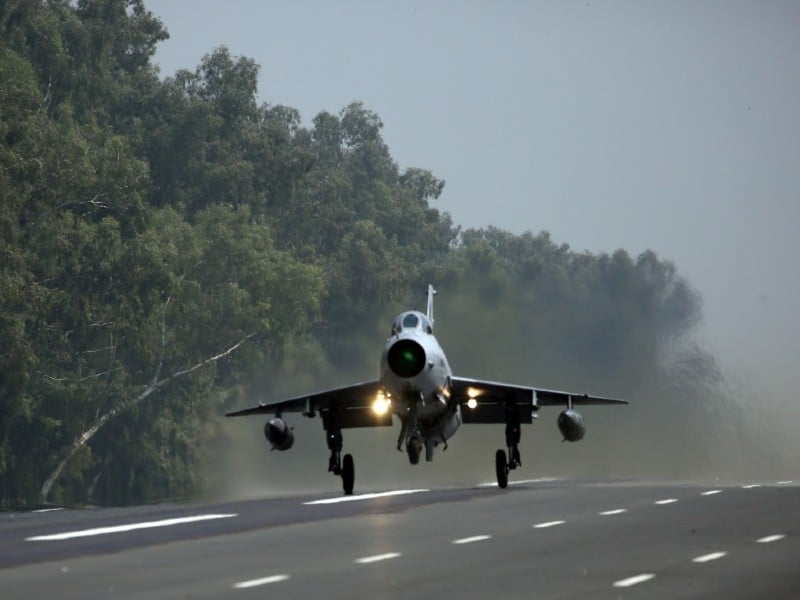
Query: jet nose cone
[[406, 358]]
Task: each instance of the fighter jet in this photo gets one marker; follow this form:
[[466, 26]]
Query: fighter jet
[[417, 386]]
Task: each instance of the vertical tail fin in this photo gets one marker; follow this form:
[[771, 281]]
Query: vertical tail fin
[[431, 294]]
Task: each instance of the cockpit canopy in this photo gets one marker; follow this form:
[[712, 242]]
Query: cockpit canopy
[[410, 321]]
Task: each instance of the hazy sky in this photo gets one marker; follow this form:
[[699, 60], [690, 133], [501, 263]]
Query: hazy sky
[[672, 126]]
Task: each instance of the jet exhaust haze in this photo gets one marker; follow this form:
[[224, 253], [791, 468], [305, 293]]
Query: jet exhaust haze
[[417, 386], [682, 424]]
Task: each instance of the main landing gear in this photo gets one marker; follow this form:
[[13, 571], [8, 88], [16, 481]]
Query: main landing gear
[[348, 474], [345, 468], [501, 466], [501, 463]]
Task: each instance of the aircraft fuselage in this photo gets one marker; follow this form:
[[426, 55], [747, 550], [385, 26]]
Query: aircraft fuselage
[[416, 375]]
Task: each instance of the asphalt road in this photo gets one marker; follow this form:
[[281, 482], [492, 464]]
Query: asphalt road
[[540, 539]]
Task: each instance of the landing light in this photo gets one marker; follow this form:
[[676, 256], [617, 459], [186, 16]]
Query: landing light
[[381, 405]]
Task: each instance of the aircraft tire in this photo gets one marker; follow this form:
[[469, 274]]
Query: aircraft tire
[[501, 466], [414, 448], [348, 474]]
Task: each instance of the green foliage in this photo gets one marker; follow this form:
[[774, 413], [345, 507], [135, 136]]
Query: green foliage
[[168, 245]]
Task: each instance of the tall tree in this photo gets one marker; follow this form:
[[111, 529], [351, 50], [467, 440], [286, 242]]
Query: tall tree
[[165, 245]]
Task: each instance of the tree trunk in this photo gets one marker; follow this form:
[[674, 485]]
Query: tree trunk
[[156, 385]]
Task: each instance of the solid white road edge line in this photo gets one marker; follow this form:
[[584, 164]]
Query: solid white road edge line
[[666, 501], [711, 492], [364, 497], [128, 527], [709, 557], [474, 538], [615, 511], [548, 524], [771, 538], [634, 580], [378, 557], [242, 585]]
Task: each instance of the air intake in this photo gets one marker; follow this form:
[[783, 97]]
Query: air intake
[[406, 358]]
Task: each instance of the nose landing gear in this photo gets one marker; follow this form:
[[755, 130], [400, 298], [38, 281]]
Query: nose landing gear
[[414, 449]]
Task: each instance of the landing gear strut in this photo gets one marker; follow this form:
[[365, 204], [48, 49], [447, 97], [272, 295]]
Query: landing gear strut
[[513, 435], [344, 468], [410, 434]]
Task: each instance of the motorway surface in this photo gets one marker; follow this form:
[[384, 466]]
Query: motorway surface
[[536, 539]]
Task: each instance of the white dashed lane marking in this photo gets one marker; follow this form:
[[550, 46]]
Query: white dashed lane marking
[[666, 501], [548, 524], [520, 482], [67, 535], [771, 538], [709, 557], [615, 511], [750, 486], [786, 482], [364, 497], [474, 538], [634, 580], [711, 492], [377, 558], [243, 585]]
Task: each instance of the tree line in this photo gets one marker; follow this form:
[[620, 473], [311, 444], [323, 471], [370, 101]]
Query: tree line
[[170, 245]]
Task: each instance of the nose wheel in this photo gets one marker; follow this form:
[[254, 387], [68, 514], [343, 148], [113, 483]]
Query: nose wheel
[[414, 448], [502, 468]]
